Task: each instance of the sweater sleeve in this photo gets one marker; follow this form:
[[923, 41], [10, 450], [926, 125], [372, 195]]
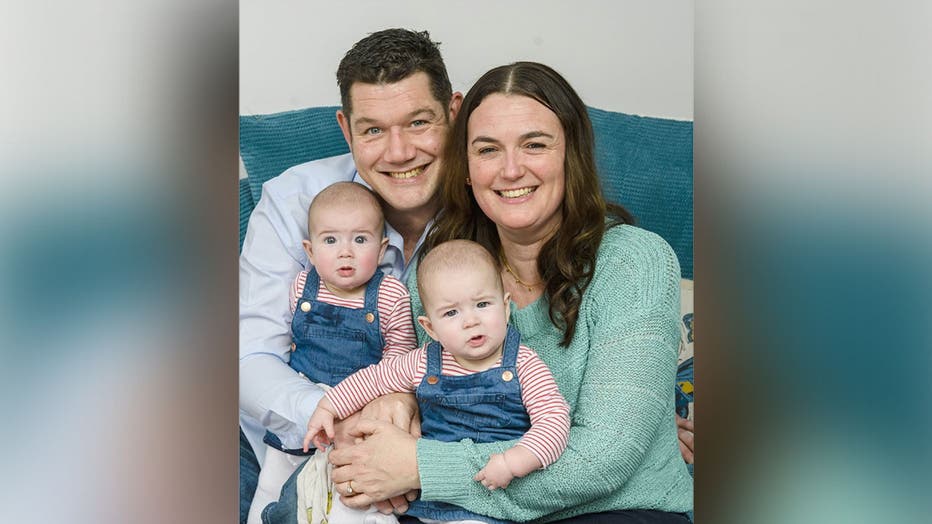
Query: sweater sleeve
[[629, 313]]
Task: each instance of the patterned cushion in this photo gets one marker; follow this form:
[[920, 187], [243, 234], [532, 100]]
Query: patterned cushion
[[685, 382]]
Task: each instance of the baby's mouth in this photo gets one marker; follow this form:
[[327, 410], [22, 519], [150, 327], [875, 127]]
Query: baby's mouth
[[477, 340]]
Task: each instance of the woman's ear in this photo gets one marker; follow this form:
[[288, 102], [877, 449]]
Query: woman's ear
[[428, 327]]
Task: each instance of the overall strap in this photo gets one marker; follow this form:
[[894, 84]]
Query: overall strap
[[372, 292], [434, 359], [311, 285], [510, 347]]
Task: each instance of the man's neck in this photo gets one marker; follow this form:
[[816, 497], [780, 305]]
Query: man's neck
[[410, 225]]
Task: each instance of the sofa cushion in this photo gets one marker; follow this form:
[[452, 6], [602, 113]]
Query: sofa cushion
[[646, 165], [270, 144]]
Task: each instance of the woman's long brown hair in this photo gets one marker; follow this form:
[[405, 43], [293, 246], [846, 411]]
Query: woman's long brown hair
[[566, 261]]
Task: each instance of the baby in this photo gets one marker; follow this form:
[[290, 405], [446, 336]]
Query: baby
[[347, 313], [474, 381]]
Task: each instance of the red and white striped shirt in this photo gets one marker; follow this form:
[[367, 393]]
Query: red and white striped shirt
[[548, 411], [394, 305]]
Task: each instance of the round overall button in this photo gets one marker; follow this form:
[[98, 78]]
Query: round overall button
[[305, 306], [507, 375]]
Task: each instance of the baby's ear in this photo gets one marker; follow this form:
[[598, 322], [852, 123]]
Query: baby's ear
[[307, 249], [383, 248], [507, 306], [428, 327]]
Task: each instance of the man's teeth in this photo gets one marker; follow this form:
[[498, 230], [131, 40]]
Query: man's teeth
[[407, 174], [515, 193]]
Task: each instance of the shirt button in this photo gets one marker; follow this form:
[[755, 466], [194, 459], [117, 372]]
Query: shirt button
[[293, 346], [432, 379], [305, 306], [507, 376], [370, 317]]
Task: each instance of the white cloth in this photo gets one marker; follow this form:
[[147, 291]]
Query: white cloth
[[319, 502], [315, 490]]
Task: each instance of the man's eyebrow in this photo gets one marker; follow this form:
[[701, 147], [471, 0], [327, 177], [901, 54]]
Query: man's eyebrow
[[425, 112], [526, 136]]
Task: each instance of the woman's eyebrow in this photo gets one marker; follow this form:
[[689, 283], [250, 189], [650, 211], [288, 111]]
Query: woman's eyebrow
[[526, 136]]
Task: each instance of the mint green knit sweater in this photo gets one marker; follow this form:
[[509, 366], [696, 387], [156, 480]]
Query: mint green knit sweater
[[618, 377]]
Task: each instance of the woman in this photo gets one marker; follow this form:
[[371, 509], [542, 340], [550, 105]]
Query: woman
[[597, 298]]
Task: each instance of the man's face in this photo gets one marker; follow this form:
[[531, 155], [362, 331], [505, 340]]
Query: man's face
[[396, 132]]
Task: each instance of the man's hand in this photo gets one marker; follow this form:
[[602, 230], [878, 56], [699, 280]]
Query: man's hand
[[398, 408], [686, 433]]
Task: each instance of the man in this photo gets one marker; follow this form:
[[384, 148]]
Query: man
[[397, 105]]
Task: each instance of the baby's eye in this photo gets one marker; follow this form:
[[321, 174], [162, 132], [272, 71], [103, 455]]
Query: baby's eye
[[450, 313], [360, 239], [483, 304], [330, 240]]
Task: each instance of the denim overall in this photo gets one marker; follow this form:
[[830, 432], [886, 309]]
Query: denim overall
[[485, 407], [332, 342]]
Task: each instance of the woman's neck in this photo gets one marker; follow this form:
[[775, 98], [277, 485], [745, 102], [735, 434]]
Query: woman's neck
[[519, 266]]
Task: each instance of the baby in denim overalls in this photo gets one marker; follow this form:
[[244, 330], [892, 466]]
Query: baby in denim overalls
[[347, 313], [475, 380]]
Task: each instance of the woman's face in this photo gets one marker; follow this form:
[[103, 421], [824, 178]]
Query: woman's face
[[516, 149]]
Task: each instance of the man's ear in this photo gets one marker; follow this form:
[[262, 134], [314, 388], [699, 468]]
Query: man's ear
[[307, 249], [455, 102], [383, 248], [343, 120], [425, 323]]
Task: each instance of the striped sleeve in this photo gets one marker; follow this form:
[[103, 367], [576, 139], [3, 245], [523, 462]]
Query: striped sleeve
[[395, 318], [297, 289], [396, 375], [548, 410]]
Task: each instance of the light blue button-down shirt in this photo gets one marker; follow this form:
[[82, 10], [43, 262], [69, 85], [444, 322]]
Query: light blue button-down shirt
[[272, 395]]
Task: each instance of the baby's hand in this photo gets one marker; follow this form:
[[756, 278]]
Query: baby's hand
[[319, 429], [496, 473]]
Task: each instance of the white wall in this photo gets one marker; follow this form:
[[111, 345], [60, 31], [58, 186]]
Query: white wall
[[631, 56]]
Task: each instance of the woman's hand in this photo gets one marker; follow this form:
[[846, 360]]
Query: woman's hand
[[381, 466], [686, 432]]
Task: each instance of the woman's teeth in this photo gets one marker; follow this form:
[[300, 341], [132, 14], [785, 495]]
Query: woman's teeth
[[515, 193]]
